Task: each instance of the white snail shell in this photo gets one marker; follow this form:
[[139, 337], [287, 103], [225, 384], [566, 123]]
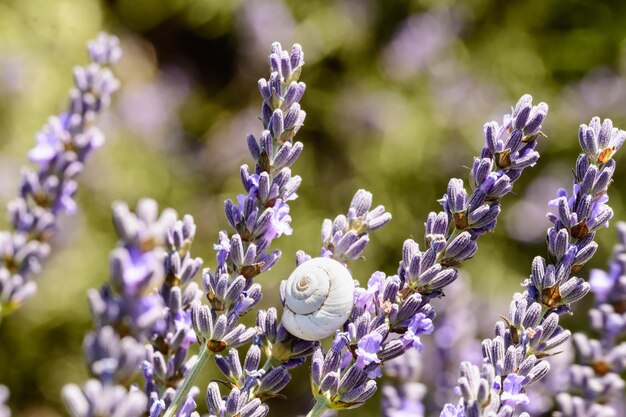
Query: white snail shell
[[319, 296]]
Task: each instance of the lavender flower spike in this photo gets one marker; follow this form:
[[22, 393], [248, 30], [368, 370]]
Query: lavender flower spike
[[532, 331], [600, 362], [166, 364], [125, 313], [257, 218], [63, 146], [346, 237]]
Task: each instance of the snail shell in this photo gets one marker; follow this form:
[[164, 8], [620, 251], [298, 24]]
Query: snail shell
[[319, 296]]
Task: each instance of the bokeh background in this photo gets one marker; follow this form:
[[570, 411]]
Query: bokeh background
[[398, 92]]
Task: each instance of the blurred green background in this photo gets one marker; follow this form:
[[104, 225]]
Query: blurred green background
[[398, 92]]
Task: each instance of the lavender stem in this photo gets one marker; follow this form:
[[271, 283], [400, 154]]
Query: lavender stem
[[183, 391], [321, 405]]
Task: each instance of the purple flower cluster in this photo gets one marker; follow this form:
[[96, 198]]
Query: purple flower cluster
[[436, 367], [151, 312], [62, 147], [167, 365], [258, 217], [346, 237], [532, 330], [393, 311], [128, 312], [281, 349], [594, 380], [403, 394]]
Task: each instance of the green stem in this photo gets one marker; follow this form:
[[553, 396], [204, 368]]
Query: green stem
[[184, 389], [318, 409], [268, 363]]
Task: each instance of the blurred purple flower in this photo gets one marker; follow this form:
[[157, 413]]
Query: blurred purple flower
[[4, 397], [157, 122], [601, 91], [50, 141], [14, 71], [137, 268], [451, 411], [601, 284], [403, 401], [261, 22], [62, 148], [418, 41]]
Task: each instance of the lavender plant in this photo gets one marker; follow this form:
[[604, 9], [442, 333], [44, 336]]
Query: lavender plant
[[251, 383], [257, 219], [390, 315], [149, 315], [421, 383], [403, 393], [63, 146], [594, 379], [515, 358], [126, 312], [167, 364]]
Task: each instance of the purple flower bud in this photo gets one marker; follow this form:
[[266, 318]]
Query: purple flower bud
[[573, 290], [202, 319], [456, 196], [330, 383], [253, 359], [275, 380], [359, 395], [361, 202], [214, 399]]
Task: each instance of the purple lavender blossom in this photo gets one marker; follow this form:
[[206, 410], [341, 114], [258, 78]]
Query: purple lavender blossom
[[396, 308], [151, 313], [366, 298], [126, 314], [62, 148], [594, 379], [97, 399], [418, 42], [532, 330], [283, 350], [453, 411], [404, 402], [435, 366], [167, 365], [258, 217], [403, 395], [346, 237], [350, 237]]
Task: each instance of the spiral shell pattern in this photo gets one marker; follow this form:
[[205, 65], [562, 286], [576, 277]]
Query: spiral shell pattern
[[319, 296]]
